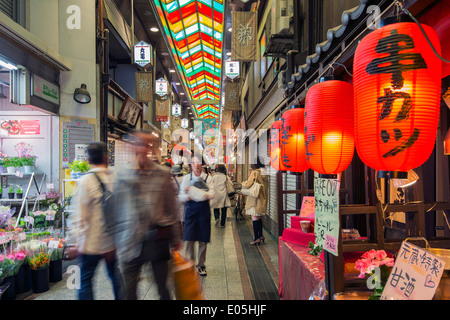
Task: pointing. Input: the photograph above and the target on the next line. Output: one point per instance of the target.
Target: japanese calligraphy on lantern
(415, 275)
(326, 227)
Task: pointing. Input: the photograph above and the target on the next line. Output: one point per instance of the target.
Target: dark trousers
(88, 265)
(131, 272)
(223, 217)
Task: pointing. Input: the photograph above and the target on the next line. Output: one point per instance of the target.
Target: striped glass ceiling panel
(194, 30)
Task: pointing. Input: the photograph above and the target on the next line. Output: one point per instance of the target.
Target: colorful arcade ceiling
(194, 30)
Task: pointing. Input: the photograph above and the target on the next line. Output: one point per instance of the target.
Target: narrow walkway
(236, 270)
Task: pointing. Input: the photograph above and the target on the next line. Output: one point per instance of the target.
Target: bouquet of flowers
(377, 265)
(5, 214)
(38, 259)
(7, 265)
(55, 248)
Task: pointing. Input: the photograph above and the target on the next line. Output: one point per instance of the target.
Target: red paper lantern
(275, 146)
(292, 140)
(397, 84)
(329, 134)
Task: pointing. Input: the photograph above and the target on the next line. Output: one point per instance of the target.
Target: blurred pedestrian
(95, 243)
(146, 217)
(257, 207)
(196, 189)
(221, 202)
(177, 177)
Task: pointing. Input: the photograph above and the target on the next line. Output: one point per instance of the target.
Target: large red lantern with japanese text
(329, 133)
(275, 146)
(292, 140)
(397, 84)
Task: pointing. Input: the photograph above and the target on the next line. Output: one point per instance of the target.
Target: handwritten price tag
(19, 174)
(22, 236)
(3, 238)
(53, 244)
(29, 219)
(50, 217)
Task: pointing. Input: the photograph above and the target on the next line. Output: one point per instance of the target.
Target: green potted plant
(12, 164)
(11, 191)
(78, 168)
(19, 192)
(28, 162)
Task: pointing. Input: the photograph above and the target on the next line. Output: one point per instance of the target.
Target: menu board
(326, 227)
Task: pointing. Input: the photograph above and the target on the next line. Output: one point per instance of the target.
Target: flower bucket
(11, 169)
(23, 279)
(55, 270)
(2, 169)
(19, 195)
(10, 293)
(27, 169)
(40, 280)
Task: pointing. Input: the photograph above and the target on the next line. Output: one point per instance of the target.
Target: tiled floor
(236, 270)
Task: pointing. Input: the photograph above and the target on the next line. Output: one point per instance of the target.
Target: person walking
(257, 207)
(146, 219)
(221, 202)
(94, 242)
(196, 190)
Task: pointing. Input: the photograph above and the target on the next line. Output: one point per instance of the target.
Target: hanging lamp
(397, 84)
(329, 134)
(292, 140)
(275, 146)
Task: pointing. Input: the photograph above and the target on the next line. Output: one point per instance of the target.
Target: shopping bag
(187, 282)
(230, 188)
(253, 191)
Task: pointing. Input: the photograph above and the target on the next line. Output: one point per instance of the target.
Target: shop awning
(194, 30)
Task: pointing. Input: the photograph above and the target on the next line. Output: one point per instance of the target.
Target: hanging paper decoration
(275, 147)
(292, 140)
(244, 32)
(329, 136)
(397, 81)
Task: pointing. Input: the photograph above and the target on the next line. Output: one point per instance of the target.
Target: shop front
(356, 235)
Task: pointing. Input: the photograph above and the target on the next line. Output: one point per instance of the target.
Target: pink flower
(2, 258)
(20, 256)
(10, 257)
(380, 254)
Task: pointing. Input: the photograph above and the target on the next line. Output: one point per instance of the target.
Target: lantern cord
(424, 33)
(345, 68)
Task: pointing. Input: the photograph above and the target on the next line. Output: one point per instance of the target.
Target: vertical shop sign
(142, 54)
(243, 38)
(144, 87)
(326, 227)
(161, 87)
(162, 110)
(415, 276)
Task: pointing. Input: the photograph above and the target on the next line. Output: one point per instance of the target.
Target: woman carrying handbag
(256, 189)
(221, 201)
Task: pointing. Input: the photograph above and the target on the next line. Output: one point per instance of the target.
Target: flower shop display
(78, 168)
(28, 162)
(376, 264)
(56, 249)
(11, 192)
(12, 164)
(39, 262)
(19, 192)
(7, 267)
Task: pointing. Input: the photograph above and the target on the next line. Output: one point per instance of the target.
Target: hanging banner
(184, 123)
(232, 69)
(175, 123)
(326, 227)
(142, 54)
(227, 119)
(144, 86)
(232, 96)
(243, 38)
(162, 110)
(415, 276)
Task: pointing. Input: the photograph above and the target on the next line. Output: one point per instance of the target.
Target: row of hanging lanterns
(390, 113)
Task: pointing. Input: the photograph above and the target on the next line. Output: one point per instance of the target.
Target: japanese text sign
(326, 227)
(308, 207)
(415, 275)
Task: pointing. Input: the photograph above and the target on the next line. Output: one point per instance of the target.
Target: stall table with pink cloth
(300, 273)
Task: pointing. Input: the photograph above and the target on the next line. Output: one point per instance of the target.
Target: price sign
(326, 227)
(29, 219)
(308, 207)
(22, 236)
(49, 217)
(52, 244)
(3, 238)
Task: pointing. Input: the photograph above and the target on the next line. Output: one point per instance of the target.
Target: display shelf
(31, 176)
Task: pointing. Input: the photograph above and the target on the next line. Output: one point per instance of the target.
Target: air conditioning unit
(282, 12)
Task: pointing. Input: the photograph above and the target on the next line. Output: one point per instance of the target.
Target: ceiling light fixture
(171, 70)
(7, 65)
(154, 29)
